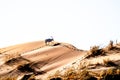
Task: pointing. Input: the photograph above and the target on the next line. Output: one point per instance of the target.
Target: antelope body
(47, 41)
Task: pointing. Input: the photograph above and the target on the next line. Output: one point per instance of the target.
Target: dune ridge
(38, 61)
(40, 57)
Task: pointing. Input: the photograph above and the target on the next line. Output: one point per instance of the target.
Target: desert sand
(40, 61)
(43, 58)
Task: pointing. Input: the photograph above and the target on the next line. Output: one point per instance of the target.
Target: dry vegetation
(94, 66)
(84, 71)
(95, 51)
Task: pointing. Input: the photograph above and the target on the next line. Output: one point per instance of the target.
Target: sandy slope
(103, 64)
(45, 58)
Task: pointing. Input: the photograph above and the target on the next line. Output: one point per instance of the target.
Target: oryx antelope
(49, 40)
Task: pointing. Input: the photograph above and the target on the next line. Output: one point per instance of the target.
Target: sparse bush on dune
(109, 63)
(85, 75)
(110, 74)
(95, 51)
(16, 61)
(10, 56)
(71, 74)
(110, 46)
(28, 77)
(12, 61)
(25, 68)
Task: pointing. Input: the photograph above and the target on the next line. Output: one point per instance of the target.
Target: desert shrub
(109, 63)
(12, 61)
(85, 75)
(28, 77)
(95, 51)
(77, 75)
(71, 74)
(10, 56)
(110, 46)
(25, 68)
(110, 74)
(16, 61)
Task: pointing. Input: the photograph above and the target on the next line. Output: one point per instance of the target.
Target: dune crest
(41, 59)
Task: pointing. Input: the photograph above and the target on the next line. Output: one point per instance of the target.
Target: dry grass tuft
(28, 77)
(110, 46)
(95, 51)
(109, 63)
(10, 56)
(25, 68)
(12, 61)
(71, 74)
(110, 74)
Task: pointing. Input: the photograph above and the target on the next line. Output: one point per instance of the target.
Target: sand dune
(41, 57)
(40, 60)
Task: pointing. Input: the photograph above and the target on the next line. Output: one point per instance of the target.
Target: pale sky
(82, 23)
